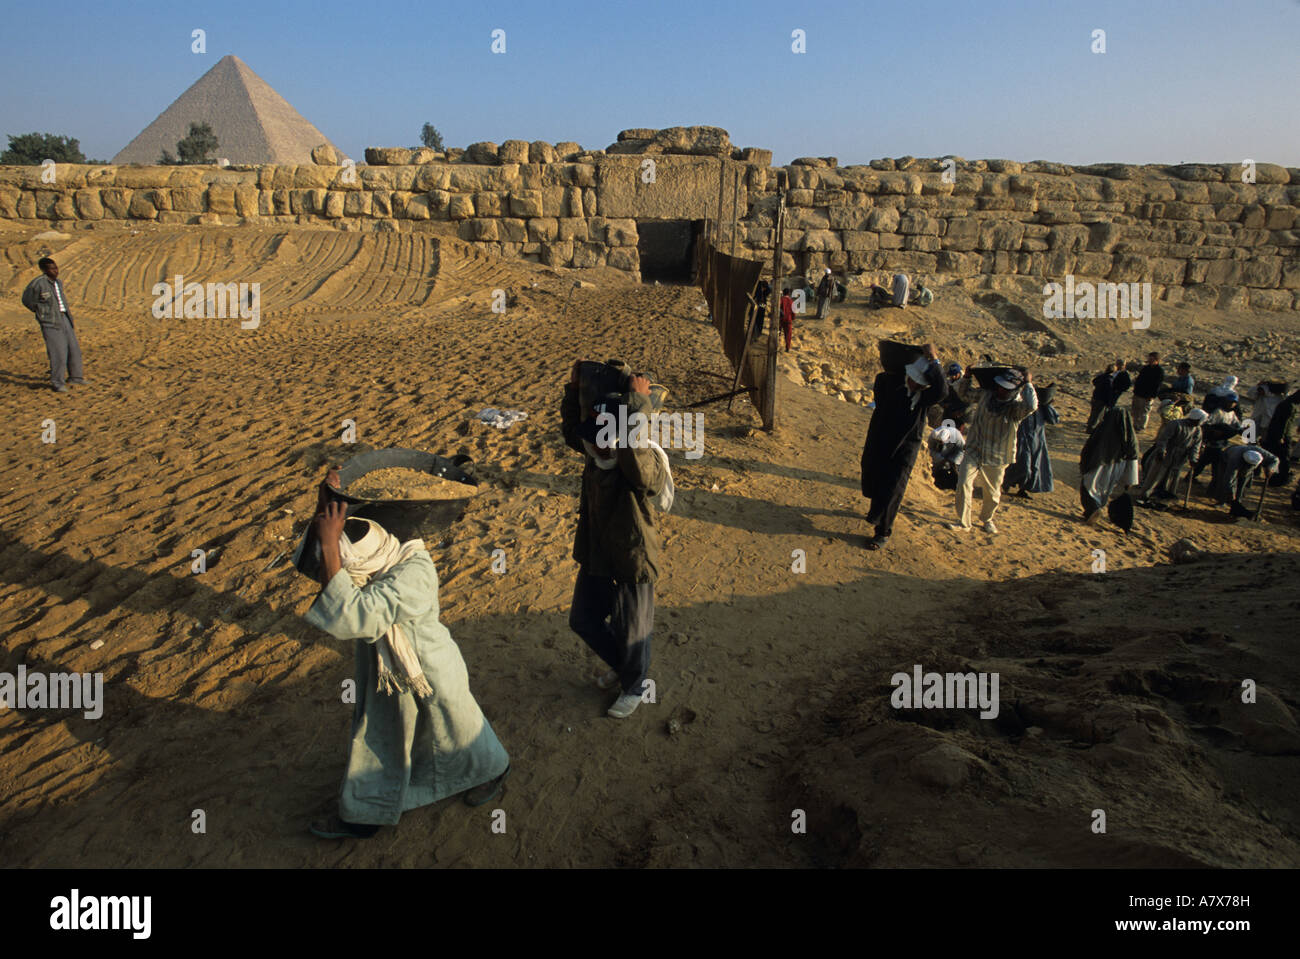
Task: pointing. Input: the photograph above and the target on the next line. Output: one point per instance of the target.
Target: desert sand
(1119, 690)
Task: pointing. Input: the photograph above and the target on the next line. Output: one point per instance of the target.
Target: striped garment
(991, 436)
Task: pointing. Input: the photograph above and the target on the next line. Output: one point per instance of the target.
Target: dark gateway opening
(667, 249)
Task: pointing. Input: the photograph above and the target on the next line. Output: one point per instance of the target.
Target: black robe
(894, 438)
(1108, 460)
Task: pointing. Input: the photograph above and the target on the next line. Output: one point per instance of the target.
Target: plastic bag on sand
(501, 419)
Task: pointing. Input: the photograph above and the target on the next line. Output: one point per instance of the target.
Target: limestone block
(526, 203)
(357, 203)
(116, 201)
(883, 220)
(1264, 271)
(513, 151)
(625, 258)
(914, 223)
(588, 255)
(1001, 235)
(87, 203)
(543, 229)
(489, 204)
(479, 230)
(620, 232)
(387, 156)
(859, 240)
(684, 188)
(461, 207)
(557, 254)
(484, 152)
(961, 234)
(221, 199)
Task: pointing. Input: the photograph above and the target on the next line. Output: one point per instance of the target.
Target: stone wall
(1195, 231)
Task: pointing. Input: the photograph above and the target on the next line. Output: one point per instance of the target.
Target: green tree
(34, 148)
(198, 146)
(431, 138)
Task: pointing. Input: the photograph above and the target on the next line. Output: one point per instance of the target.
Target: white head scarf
(1253, 457)
(372, 555)
(604, 459)
(1229, 385)
(1196, 414)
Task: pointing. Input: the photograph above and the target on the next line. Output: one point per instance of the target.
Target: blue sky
(1179, 81)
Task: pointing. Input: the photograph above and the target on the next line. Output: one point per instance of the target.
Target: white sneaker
(989, 527)
(958, 528)
(624, 706)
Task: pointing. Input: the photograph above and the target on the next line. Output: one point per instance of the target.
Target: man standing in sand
(991, 441)
(45, 297)
(825, 290)
(786, 319)
(1146, 387)
(418, 735)
(616, 543)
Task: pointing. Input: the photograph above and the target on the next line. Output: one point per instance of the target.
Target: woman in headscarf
(418, 736)
(1032, 470)
(894, 437)
(1222, 397)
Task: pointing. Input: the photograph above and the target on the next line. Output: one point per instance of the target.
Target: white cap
(1196, 414)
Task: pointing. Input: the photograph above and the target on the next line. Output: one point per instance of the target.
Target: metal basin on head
(403, 518)
(406, 518)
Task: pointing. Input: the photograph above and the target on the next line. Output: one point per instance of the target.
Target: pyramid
(252, 122)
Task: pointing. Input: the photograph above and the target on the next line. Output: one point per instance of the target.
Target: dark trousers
(890, 487)
(63, 350)
(1210, 456)
(615, 620)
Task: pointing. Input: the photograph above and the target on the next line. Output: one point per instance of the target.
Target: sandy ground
(1119, 690)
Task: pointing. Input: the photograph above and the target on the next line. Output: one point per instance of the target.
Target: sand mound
(400, 483)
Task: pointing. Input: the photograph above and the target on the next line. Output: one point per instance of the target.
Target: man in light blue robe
(418, 736)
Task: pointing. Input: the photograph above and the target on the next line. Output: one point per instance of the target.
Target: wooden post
(750, 314)
(768, 412)
(1259, 507)
(735, 218)
(717, 224)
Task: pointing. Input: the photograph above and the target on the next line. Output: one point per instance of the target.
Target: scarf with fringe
(372, 555)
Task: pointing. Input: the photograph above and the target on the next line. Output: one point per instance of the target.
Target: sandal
(334, 827)
(485, 792)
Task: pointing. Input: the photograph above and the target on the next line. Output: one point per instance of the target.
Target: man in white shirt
(46, 298)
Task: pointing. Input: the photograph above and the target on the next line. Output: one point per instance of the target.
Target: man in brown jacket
(617, 540)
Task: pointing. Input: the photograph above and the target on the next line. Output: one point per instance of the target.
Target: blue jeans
(615, 620)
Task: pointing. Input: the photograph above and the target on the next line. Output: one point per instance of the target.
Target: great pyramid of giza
(252, 122)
